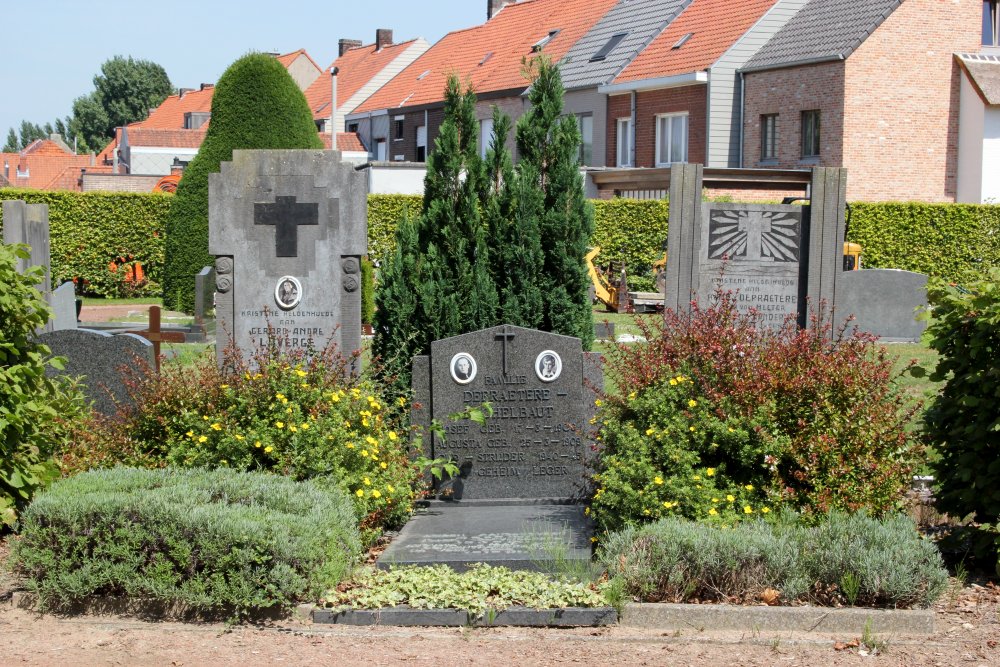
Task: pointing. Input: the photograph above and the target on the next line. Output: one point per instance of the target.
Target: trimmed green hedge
(958, 242)
(90, 231)
(215, 540)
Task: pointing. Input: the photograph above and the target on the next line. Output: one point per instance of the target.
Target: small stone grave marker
(288, 229)
(99, 357)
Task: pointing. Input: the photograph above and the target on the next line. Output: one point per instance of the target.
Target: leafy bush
(91, 232)
(215, 540)
(811, 418)
(256, 104)
(306, 418)
(845, 559)
(631, 232)
(478, 590)
(963, 421)
(385, 212)
(34, 410)
(367, 291)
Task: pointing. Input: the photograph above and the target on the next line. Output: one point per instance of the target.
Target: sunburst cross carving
(756, 236)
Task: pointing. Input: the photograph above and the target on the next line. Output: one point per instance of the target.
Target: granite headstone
(288, 229)
(884, 303)
(64, 307)
(100, 358)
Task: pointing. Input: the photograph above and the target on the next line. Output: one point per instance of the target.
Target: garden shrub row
(846, 559)
(214, 540)
(91, 231)
(98, 238)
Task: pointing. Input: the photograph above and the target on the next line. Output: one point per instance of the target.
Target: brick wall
(889, 113)
(692, 99)
(901, 109)
(788, 92)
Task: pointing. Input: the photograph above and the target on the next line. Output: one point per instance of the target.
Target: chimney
(348, 44)
(184, 91)
(494, 6)
(206, 85)
(383, 38)
(176, 169)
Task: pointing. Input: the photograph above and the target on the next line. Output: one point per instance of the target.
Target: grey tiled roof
(984, 70)
(641, 19)
(822, 30)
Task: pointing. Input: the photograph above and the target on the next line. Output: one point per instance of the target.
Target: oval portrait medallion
(288, 292)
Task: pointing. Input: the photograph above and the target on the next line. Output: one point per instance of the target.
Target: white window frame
(485, 136)
(586, 154)
(623, 140)
(669, 120)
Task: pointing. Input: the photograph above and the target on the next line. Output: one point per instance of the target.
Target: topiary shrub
(34, 410)
(811, 418)
(845, 559)
(256, 104)
(215, 540)
(367, 291)
(963, 421)
(304, 417)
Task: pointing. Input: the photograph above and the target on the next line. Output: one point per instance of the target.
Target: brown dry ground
(968, 633)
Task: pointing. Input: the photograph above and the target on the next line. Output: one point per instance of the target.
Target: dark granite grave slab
(515, 535)
(884, 303)
(570, 617)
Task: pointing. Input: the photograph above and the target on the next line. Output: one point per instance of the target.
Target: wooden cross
(155, 335)
(505, 336)
(286, 215)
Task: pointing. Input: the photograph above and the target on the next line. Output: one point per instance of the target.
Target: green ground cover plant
(35, 411)
(719, 417)
(481, 589)
(303, 417)
(219, 541)
(843, 559)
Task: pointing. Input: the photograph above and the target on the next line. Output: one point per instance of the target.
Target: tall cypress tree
(549, 147)
(443, 260)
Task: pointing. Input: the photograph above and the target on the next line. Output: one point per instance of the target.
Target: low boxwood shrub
(844, 559)
(723, 416)
(216, 540)
(304, 417)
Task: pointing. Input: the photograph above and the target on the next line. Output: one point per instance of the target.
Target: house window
(380, 150)
(422, 143)
(769, 137)
(485, 136)
(608, 47)
(671, 138)
(624, 151)
(810, 133)
(585, 122)
(352, 127)
(991, 23)
(397, 128)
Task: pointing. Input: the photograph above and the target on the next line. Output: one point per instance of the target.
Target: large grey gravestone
(781, 259)
(288, 229)
(29, 224)
(884, 302)
(523, 471)
(99, 357)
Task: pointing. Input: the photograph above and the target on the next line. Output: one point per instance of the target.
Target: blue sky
(53, 48)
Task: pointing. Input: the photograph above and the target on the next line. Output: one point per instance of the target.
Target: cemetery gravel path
(968, 633)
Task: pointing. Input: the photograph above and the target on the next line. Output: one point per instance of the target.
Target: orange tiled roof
(44, 164)
(357, 67)
(489, 55)
(288, 58)
(346, 141)
(144, 136)
(170, 114)
(715, 26)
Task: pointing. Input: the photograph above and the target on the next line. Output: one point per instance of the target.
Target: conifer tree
(548, 145)
(443, 260)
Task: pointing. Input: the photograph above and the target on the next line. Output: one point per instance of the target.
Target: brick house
(400, 121)
(871, 85)
(46, 164)
(979, 115)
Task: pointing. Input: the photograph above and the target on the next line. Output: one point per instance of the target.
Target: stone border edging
(851, 620)
(570, 617)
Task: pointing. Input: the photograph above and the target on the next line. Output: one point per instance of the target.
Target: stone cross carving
(504, 336)
(286, 215)
(155, 335)
(755, 224)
